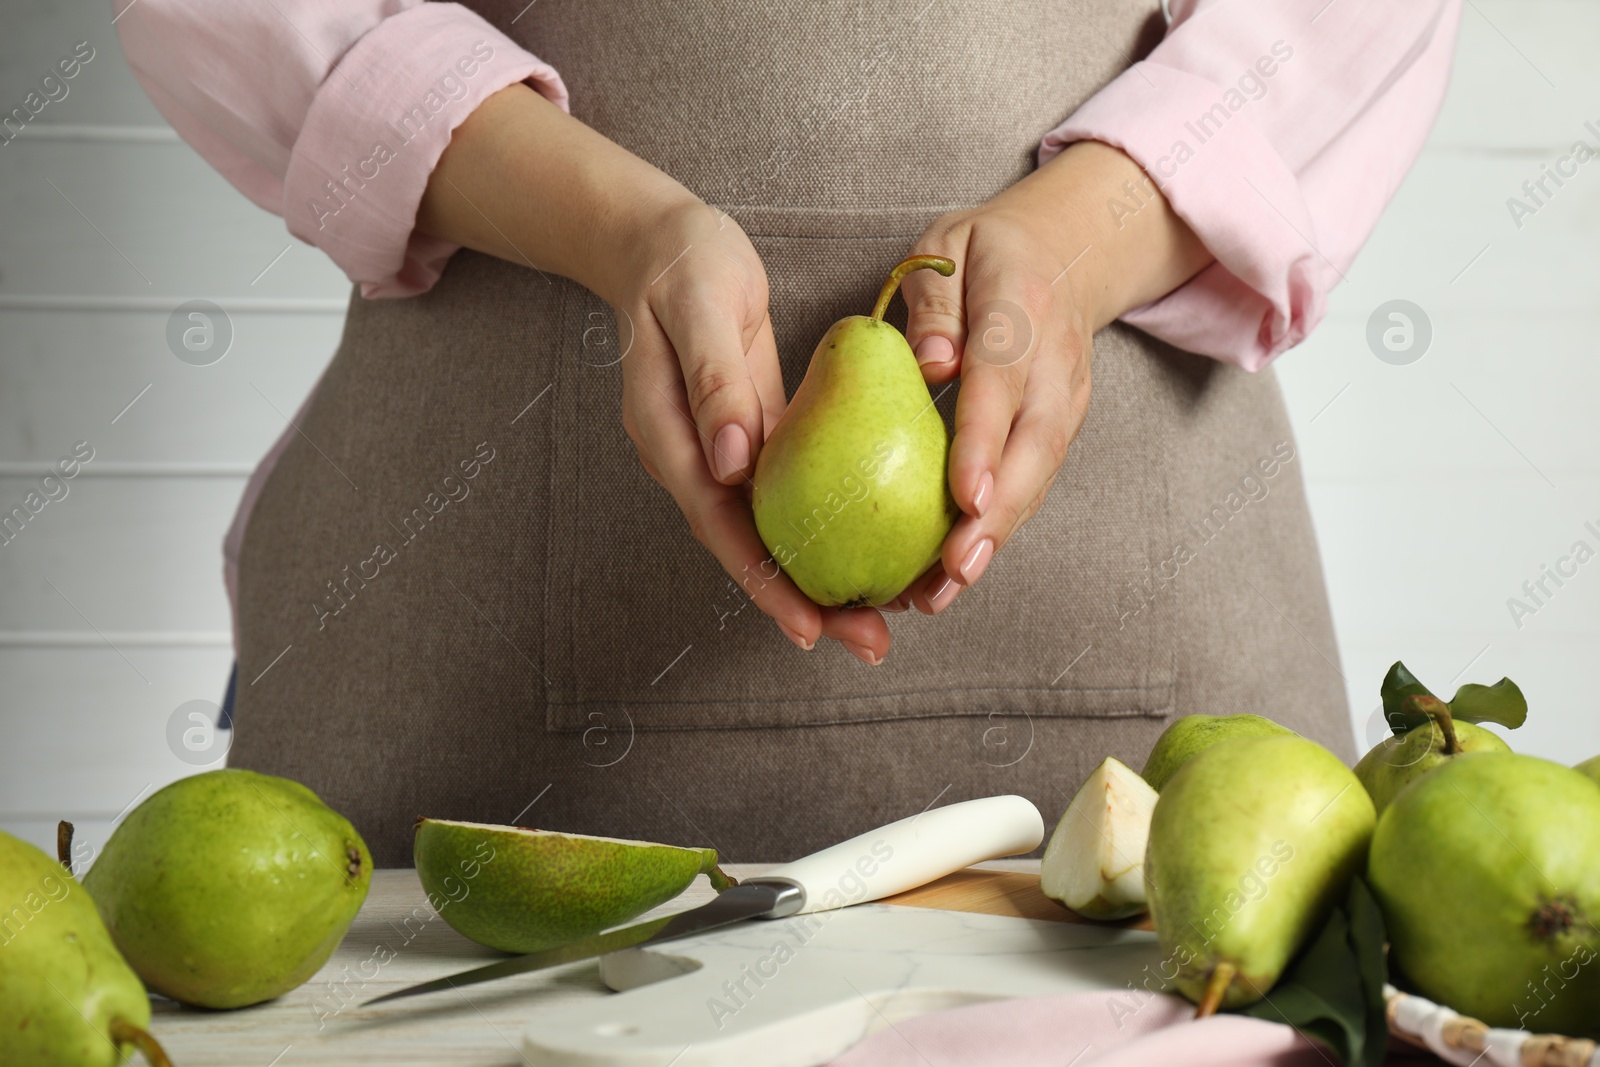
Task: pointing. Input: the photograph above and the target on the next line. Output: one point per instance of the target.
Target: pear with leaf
(1428, 732)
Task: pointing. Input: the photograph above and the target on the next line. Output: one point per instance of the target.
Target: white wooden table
(396, 941)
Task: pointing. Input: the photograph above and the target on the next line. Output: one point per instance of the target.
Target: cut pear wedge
(522, 890)
(1094, 863)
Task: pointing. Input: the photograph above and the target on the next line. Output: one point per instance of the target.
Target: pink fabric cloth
(1299, 120)
(1084, 1030)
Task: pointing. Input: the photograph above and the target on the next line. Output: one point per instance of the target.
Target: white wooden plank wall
(132, 556)
(1439, 487)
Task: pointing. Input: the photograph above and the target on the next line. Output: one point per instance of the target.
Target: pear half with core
(1193, 734)
(67, 999)
(521, 890)
(230, 887)
(1251, 845)
(852, 492)
(1094, 863)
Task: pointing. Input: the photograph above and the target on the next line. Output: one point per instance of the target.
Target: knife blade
(752, 899)
(871, 866)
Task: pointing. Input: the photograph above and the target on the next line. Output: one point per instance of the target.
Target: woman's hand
(1039, 269)
(702, 389)
(526, 182)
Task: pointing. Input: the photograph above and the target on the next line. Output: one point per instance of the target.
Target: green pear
(851, 489)
(1396, 762)
(1488, 874)
(230, 887)
(67, 999)
(1591, 767)
(1193, 734)
(1094, 863)
(522, 890)
(1251, 845)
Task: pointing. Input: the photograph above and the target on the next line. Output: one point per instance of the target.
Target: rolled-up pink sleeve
(1278, 131)
(332, 115)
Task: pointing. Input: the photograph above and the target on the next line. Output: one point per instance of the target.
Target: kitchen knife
(877, 864)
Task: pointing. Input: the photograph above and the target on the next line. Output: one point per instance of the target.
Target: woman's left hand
(1039, 269)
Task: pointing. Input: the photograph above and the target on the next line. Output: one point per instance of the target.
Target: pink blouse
(1280, 157)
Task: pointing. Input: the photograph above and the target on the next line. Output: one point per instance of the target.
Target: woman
(459, 592)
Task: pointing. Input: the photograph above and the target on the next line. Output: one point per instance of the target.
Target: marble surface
(795, 992)
(396, 941)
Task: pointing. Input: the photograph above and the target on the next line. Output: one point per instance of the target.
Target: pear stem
(1216, 988)
(944, 266)
(720, 879)
(1439, 712)
(64, 843)
(125, 1033)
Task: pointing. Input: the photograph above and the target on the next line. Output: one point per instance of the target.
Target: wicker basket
(1463, 1041)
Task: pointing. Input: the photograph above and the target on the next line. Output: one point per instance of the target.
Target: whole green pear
(852, 492)
(522, 890)
(1196, 733)
(1396, 762)
(1591, 767)
(230, 887)
(1488, 874)
(1251, 845)
(67, 999)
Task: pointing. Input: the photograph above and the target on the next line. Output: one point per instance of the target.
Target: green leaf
(1501, 703)
(1333, 991)
(1398, 685)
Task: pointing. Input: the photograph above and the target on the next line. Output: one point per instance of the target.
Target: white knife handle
(914, 852)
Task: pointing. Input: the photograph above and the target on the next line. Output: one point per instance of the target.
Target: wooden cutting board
(995, 892)
(799, 991)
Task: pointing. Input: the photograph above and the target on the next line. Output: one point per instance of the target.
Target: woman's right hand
(701, 389)
(701, 383)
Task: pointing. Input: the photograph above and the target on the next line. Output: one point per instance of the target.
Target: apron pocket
(640, 620)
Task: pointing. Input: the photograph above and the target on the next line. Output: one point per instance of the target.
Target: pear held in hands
(852, 492)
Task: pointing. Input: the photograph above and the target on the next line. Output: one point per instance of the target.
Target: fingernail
(796, 638)
(980, 496)
(978, 558)
(732, 451)
(946, 593)
(897, 604)
(862, 653)
(935, 350)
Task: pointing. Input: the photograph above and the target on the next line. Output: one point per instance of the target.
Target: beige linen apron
(492, 613)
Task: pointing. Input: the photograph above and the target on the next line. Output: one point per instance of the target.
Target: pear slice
(522, 890)
(1094, 863)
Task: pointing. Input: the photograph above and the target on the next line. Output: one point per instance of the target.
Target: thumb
(935, 324)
